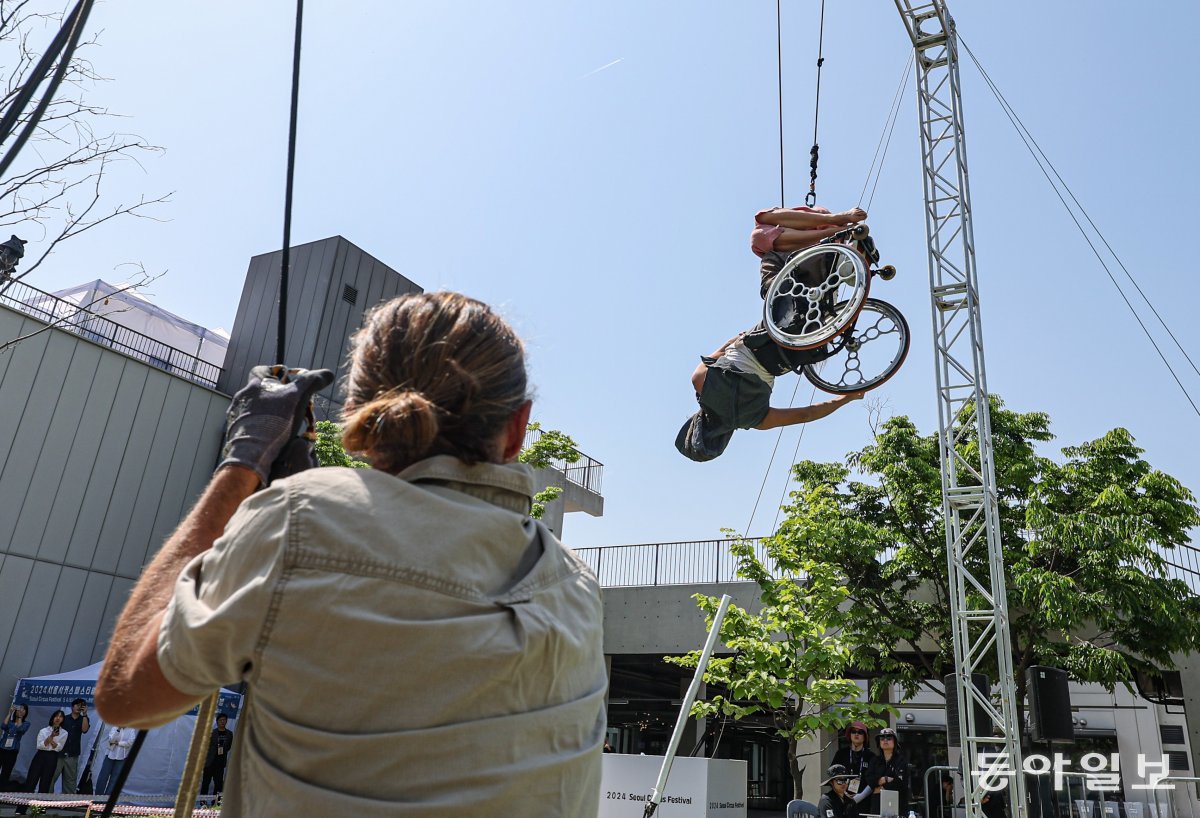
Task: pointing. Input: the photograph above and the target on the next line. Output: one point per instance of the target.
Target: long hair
(434, 373)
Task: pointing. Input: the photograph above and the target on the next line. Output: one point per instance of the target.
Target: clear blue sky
(593, 168)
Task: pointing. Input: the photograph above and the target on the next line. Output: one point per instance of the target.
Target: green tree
(791, 660)
(548, 448)
(1086, 538)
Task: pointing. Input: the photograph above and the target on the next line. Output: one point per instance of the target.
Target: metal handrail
(688, 562)
(70, 317)
(691, 562)
(585, 472)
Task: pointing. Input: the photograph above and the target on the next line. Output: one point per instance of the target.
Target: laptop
(889, 804)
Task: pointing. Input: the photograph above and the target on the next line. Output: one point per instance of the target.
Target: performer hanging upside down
(733, 385)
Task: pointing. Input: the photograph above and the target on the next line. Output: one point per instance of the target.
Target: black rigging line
(68, 35)
(779, 70)
(815, 151)
(1043, 162)
(287, 197)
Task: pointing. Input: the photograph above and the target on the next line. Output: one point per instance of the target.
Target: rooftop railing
(697, 562)
(585, 472)
(691, 562)
(71, 317)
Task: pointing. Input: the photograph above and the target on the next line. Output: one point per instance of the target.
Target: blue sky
(592, 169)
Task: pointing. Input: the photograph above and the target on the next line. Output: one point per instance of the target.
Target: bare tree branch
(58, 182)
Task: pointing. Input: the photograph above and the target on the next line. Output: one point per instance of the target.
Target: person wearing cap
(856, 758)
(889, 771)
(836, 803)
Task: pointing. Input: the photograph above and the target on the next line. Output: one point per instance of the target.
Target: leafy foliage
(1086, 540)
(549, 447)
(790, 659)
(1085, 544)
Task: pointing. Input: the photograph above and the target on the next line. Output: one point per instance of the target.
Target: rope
(779, 69)
(815, 151)
(1043, 162)
(770, 463)
(193, 767)
(287, 197)
(889, 126)
(69, 34)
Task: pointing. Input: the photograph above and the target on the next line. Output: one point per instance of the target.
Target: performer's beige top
(414, 646)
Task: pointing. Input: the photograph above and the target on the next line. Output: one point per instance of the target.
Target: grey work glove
(266, 417)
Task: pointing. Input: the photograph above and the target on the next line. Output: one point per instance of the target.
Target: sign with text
(696, 788)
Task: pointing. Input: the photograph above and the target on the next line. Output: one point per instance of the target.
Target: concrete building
(107, 436)
(649, 613)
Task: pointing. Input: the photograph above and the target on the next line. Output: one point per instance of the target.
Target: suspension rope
(1043, 162)
(287, 196)
(770, 463)
(889, 126)
(65, 41)
(779, 71)
(815, 151)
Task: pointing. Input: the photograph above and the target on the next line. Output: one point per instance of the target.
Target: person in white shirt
(116, 750)
(50, 743)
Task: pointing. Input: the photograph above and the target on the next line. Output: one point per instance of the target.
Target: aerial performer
(733, 385)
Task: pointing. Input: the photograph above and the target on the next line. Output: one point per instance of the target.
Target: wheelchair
(820, 302)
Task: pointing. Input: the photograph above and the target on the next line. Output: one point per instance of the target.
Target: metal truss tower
(978, 602)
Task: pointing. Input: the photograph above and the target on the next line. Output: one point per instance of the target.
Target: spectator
(16, 724)
(219, 745)
(855, 758)
(116, 750)
(50, 743)
(419, 595)
(76, 724)
(889, 771)
(836, 803)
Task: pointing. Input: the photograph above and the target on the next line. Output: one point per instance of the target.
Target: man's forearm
(132, 649)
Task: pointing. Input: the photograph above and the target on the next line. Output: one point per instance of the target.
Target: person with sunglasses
(836, 803)
(889, 771)
(855, 758)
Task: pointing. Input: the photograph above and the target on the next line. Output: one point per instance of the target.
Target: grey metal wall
(320, 317)
(100, 456)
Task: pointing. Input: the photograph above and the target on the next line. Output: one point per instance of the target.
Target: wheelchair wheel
(815, 296)
(874, 350)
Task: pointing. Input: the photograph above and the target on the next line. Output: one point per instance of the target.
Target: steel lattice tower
(978, 601)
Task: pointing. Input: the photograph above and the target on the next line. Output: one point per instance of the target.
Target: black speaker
(983, 722)
(1049, 705)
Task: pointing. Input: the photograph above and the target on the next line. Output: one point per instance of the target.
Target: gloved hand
(267, 414)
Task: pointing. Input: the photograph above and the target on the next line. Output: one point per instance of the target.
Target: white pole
(685, 710)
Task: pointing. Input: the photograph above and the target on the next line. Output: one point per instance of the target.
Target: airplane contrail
(601, 68)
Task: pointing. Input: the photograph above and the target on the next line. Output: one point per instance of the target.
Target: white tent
(158, 767)
(142, 330)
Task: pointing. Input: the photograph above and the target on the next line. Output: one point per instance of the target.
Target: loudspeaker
(1049, 705)
(983, 722)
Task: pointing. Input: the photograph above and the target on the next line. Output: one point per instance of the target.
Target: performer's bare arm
(805, 414)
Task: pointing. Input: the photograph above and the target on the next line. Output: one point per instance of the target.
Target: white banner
(696, 788)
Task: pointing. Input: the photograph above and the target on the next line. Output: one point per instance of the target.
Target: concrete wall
(664, 619)
(100, 456)
(331, 283)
